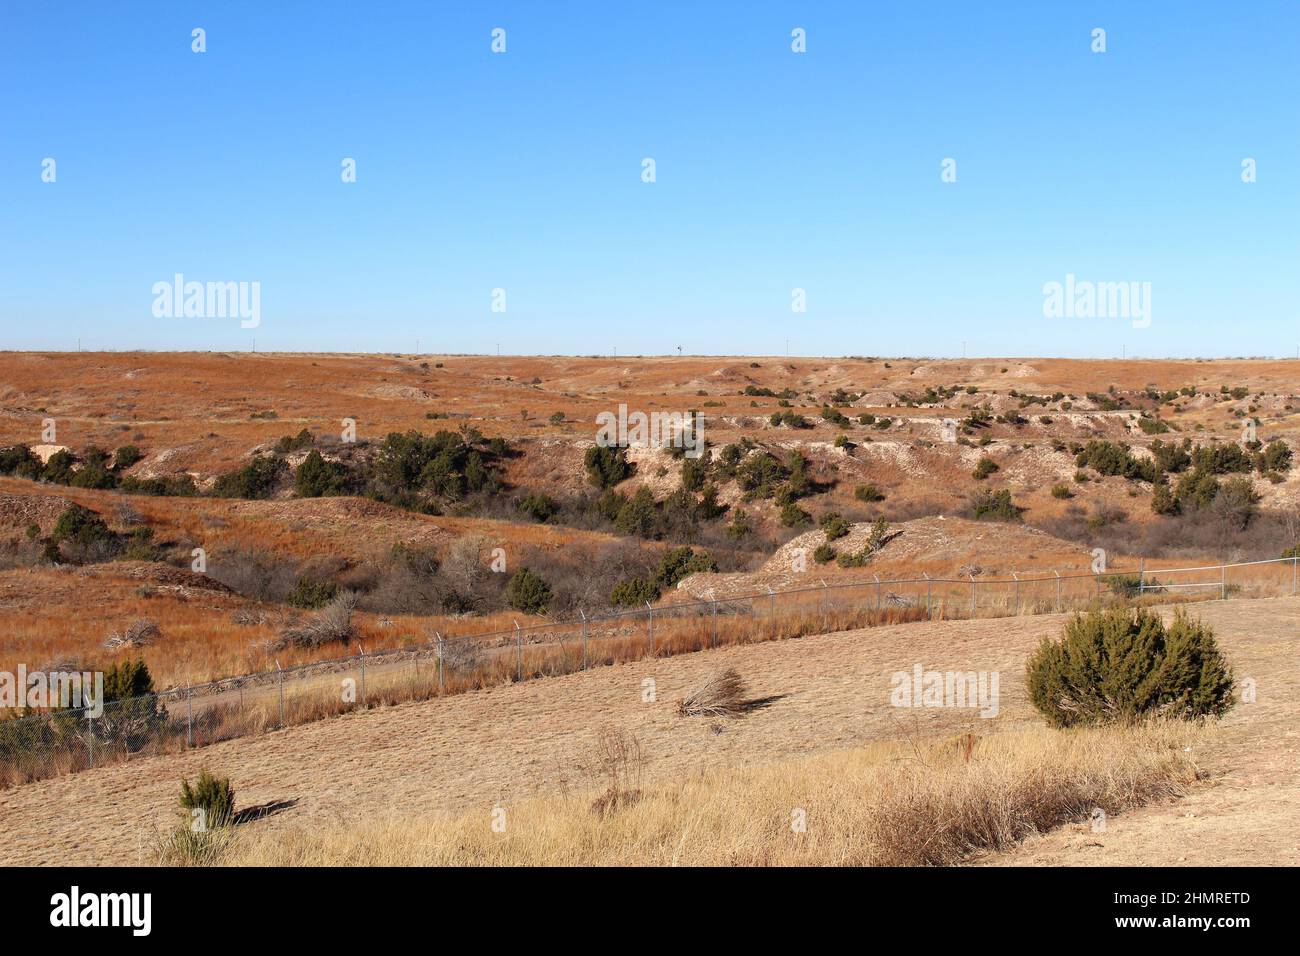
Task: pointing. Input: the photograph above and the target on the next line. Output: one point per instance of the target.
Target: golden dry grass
(890, 804)
(499, 747)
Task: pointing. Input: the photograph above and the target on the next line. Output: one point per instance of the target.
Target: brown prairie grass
(619, 766)
(900, 803)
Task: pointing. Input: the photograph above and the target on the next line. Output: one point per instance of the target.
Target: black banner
(145, 906)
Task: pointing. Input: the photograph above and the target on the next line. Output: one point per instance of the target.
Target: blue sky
(775, 171)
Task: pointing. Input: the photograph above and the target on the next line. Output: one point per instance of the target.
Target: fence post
(973, 601)
(1058, 591)
(1142, 577)
(279, 680)
(90, 738)
(715, 622)
(1223, 582)
(189, 716)
(929, 591)
(877, 577)
(1017, 577)
(361, 653)
(519, 653)
(652, 627)
(1295, 569)
(442, 681)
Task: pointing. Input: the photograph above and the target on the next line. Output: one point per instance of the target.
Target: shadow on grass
(249, 814)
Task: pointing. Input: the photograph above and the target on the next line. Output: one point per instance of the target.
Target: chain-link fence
(68, 740)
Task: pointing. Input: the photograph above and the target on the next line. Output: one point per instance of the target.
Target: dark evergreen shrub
(527, 592)
(1122, 665)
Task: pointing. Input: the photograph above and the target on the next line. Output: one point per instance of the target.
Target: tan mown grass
(891, 804)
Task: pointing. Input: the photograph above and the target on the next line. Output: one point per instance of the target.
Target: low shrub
(1122, 665)
(680, 563)
(318, 477)
(834, 526)
(540, 507)
(84, 535)
(868, 493)
(330, 625)
(313, 594)
(633, 592)
(990, 505)
(209, 801)
(527, 592)
(258, 479)
(792, 516)
(606, 466)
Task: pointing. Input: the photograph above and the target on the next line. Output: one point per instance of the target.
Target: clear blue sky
(774, 171)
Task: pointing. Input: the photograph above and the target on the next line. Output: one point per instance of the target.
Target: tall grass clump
(207, 811)
(721, 695)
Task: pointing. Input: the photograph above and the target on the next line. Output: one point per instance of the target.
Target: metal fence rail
(61, 741)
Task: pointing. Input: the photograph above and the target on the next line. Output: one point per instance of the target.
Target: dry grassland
(466, 755)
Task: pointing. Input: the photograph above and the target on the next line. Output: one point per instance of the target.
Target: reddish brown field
(193, 412)
(207, 413)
